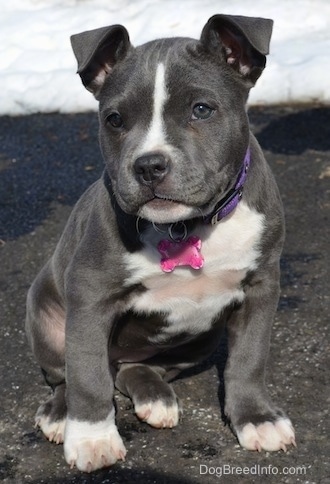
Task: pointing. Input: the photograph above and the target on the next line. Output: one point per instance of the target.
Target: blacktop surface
(46, 162)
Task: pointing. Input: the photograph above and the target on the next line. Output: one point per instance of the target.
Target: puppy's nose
(151, 168)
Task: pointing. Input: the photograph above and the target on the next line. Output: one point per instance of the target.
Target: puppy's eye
(202, 111)
(115, 120)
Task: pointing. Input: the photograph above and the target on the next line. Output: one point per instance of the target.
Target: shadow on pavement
(294, 133)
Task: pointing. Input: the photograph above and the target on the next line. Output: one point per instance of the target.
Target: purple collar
(231, 200)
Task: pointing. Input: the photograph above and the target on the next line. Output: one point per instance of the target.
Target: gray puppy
(179, 238)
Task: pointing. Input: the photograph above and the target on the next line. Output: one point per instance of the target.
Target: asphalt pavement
(46, 162)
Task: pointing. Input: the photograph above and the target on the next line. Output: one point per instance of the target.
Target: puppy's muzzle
(151, 169)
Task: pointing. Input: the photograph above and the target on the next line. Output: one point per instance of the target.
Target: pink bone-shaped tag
(183, 253)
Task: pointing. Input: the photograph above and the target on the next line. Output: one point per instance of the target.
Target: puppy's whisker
(199, 210)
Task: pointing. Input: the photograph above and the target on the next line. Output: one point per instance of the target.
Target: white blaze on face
(156, 134)
(155, 140)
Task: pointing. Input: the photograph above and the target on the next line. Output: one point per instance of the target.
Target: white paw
(158, 415)
(54, 431)
(268, 435)
(91, 446)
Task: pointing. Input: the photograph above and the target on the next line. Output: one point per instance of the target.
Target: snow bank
(38, 68)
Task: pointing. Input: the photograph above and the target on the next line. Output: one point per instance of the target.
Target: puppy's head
(173, 126)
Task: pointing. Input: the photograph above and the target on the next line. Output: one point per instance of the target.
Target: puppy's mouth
(159, 203)
(166, 210)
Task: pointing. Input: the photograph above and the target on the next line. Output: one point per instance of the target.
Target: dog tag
(183, 253)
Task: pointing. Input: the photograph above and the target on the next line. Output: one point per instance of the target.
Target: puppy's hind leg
(154, 399)
(45, 328)
(51, 416)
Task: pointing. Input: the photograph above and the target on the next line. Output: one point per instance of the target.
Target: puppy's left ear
(97, 51)
(242, 42)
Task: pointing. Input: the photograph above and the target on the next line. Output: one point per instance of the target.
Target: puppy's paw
(91, 446)
(51, 417)
(158, 414)
(53, 430)
(269, 436)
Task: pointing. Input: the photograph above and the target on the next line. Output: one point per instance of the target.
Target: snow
(37, 66)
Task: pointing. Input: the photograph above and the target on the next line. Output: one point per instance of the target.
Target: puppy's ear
(243, 42)
(97, 51)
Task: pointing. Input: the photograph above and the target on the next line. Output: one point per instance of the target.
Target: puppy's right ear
(97, 51)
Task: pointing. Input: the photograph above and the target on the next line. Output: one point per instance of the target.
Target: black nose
(151, 168)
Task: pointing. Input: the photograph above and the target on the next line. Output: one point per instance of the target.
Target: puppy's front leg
(91, 438)
(257, 422)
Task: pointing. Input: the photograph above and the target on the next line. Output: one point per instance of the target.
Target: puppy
(179, 238)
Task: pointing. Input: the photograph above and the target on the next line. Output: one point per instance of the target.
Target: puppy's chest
(191, 299)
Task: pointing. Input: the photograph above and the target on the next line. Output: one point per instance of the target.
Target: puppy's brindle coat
(102, 312)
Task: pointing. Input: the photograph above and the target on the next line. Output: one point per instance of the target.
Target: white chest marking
(191, 299)
(156, 135)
